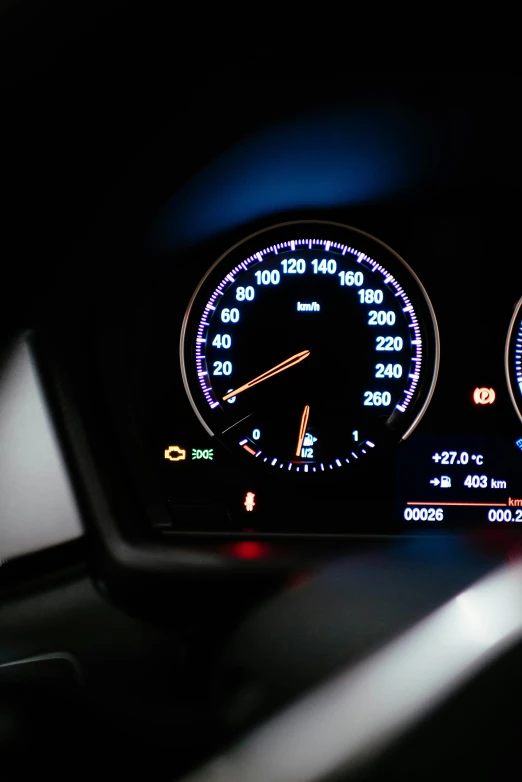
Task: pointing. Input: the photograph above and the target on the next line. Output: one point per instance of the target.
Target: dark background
(88, 89)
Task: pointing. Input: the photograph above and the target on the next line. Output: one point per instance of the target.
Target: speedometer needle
(302, 429)
(290, 362)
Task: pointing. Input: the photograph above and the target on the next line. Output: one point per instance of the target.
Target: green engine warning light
(198, 453)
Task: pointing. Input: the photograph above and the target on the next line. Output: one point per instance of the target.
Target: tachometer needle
(302, 429)
(290, 362)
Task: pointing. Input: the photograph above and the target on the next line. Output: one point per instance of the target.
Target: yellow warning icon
(175, 454)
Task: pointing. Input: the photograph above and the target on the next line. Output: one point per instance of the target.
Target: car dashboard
(346, 267)
(368, 462)
(267, 374)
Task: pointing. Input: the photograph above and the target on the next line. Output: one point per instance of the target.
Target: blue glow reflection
(337, 159)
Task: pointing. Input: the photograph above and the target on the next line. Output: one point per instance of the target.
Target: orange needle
(302, 429)
(290, 362)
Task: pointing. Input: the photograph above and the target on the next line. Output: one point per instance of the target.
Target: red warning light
(484, 396)
(249, 549)
(250, 501)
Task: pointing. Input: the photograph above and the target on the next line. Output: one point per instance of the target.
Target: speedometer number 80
(245, 294)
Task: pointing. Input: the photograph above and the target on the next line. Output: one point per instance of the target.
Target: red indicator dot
(249, 549)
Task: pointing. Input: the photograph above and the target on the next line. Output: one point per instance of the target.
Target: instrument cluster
(307, 354)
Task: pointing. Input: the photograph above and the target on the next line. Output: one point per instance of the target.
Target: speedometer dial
(308, 344)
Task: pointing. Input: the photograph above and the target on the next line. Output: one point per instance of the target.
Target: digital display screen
(452, 481)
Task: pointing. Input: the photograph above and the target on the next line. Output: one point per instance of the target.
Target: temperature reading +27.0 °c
(454, 457)
(459, 480)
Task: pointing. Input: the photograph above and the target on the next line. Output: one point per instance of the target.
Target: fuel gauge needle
(302, 429)
(290, 362)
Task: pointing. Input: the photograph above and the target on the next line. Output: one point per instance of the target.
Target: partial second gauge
(307, 345)
(514, 359)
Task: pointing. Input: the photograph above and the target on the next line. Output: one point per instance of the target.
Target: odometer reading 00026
(307, 344)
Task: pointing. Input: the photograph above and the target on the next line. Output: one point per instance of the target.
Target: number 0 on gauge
(308, 344)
